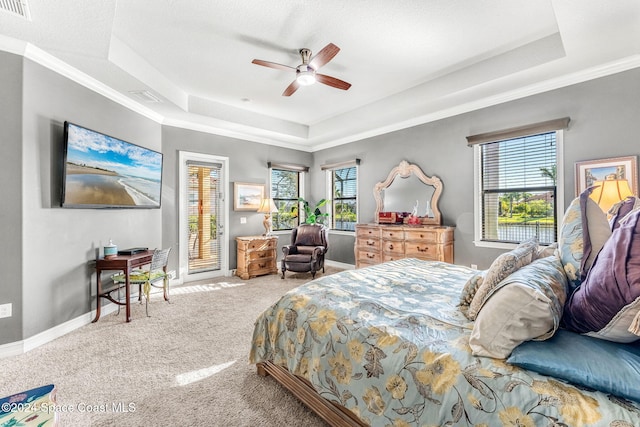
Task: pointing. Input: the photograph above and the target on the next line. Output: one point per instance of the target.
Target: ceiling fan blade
(272, 65)
(325, 55)
(291, 88)
(332, 81)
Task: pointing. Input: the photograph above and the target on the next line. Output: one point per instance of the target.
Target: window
(518, 188)
(286, 187)
(342, 181)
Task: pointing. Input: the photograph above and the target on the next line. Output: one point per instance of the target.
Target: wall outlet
(5, 310)
(243, 220)
(474, 266)
(172, 274)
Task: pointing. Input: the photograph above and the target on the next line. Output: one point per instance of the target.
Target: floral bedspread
(389, 343)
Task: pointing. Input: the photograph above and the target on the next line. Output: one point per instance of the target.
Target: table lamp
(609, 192)
(267, 207)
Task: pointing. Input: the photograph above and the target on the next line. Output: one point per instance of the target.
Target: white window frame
(477, 190)
(329, 192)
(301, 193)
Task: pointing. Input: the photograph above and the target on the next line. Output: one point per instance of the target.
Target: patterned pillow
(607, 304)
(500, 268)
(527, 305)
(469, 290)
(584, 230)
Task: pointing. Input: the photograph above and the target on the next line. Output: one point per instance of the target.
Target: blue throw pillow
(589, 362)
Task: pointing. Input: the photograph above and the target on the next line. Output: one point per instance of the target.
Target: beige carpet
(186, 365)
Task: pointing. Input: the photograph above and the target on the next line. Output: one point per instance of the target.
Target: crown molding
(235, 130)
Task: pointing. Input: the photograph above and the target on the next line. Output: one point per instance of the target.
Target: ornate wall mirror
(400, 195)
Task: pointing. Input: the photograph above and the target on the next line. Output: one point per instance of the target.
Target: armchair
(309, 244)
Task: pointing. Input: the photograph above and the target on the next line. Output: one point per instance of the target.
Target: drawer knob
(370, 242)
(390, 246)
(370, 256)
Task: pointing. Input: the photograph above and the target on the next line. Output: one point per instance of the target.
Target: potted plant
(315, 215)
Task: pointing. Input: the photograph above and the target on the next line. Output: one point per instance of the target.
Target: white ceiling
(409, 61)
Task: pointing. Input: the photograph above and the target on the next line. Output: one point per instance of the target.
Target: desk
(124, 263)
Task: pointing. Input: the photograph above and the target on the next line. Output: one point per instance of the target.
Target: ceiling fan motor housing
(305, 75)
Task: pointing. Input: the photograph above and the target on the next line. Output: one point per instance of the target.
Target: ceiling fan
(306, 72)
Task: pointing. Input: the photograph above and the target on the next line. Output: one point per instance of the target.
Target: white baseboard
(337, 264)
(20, 347)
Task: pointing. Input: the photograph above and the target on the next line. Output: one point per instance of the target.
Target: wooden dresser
(256, 256)
(376, 243)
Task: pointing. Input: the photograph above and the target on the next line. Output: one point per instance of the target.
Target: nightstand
(257, 255)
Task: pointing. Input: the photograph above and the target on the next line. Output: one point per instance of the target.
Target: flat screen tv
(105, 172)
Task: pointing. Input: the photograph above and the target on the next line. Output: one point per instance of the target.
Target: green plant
(315, 215)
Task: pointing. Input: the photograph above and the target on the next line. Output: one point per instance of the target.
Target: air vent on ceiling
(143, 95)
(16, 7)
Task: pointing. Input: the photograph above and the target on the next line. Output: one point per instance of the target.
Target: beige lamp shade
(267, 206)
(609, 192)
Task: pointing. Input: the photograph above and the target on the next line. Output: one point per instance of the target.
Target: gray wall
(247, 163)
(51, 279)
(604, 123)
(59, 243)
(11, 195)
(46, 250)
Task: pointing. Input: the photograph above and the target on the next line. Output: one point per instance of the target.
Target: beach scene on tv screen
(101, 170)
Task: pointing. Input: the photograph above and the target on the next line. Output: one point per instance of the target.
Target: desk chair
(151, 277)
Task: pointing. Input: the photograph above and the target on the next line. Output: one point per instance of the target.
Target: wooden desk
(124, 263)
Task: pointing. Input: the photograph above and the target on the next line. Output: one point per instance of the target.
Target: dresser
(256, 256)
(376, 243)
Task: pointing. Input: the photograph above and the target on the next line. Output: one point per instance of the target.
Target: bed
(389, 344)
(393, 345)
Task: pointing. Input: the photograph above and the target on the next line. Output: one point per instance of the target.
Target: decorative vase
(110, 250)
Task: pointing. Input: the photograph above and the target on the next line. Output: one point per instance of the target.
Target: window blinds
(518, 186)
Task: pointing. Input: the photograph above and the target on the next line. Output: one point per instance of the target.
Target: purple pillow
(607, 304)
(622, 209)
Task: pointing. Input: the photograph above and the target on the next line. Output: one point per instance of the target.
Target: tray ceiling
(189, 64)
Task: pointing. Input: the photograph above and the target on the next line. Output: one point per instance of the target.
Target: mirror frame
(404, 170)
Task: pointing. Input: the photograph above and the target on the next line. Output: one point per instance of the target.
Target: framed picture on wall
(590, 171)
(247, 196)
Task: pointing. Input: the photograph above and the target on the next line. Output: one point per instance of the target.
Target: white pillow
(527, 305)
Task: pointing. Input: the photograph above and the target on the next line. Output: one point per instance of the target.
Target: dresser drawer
(390, 234)
(368, 257)
(260, 255)
(392, 257)
(261, 266)
(422, 235)
(262, 245)
(393, 247)
(367, 232)
(369, 244)
(424, 250)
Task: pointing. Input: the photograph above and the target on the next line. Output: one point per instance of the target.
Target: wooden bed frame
(334, 414)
